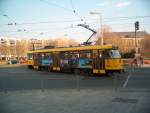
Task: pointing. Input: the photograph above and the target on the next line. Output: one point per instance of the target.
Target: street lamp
(100, 16)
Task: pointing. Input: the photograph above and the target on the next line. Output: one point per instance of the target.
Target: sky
(50, 19)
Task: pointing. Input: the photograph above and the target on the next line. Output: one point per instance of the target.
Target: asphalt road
(22, 78)
(67, 93)
(16, 77)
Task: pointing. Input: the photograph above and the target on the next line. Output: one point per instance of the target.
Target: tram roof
(79, 48)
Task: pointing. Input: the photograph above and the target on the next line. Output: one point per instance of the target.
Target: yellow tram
(90, 59)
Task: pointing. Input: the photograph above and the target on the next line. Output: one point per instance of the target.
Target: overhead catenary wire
(50, 3)
(47, 22)
(14, 22)
(77, 20)
(129, 23)
(75, 12)
(131, 17)
(68, 27)
(6, 16)
(67, 9)
(124, 18)
(56, 5)
(40, 29)
(64, 8)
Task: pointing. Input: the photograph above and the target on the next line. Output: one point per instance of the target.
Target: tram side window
(69, 58)
(45, 56)
(48, 57)
(74, 59)
(64, 56)
(35, 55)
(30, 56)
(85, 59)
(39, 57)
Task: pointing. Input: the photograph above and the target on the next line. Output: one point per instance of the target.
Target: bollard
(42, 85)
(76, 72)
(77, 82)
(3, 84)
(115, 82)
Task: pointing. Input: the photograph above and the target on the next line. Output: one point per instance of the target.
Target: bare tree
(73, 42)
(110, 37)
(21, 48)
(4, 50)
(145, 46)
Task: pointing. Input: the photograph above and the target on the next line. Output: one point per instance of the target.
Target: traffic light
(137, 25)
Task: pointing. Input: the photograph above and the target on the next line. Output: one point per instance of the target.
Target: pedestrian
(135, 62)
(141, 61)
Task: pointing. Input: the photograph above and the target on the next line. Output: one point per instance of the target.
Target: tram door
(56, 61)
(98, 62)
(35, 60)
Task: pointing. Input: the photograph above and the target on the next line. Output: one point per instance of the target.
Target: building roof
(140, 34)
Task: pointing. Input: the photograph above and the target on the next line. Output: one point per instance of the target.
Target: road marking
(57, 78)
(62, 79)
(126, 82)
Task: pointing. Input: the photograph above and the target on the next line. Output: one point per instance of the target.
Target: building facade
(34, 44)
(126, 41)
(7, 47)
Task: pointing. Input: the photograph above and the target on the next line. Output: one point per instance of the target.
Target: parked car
(21, 61)
(12, 61)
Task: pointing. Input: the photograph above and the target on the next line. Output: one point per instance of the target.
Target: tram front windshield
(114, 54)
(30, 56)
